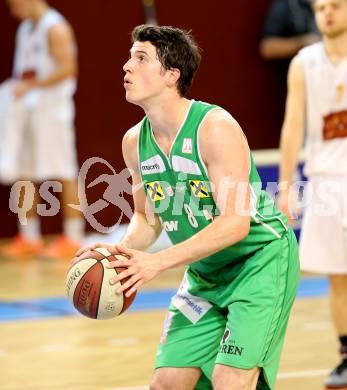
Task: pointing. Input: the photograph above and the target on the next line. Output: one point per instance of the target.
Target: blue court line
(61, 306)
(145, 300)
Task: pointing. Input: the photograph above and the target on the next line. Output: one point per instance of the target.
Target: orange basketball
(88, 285)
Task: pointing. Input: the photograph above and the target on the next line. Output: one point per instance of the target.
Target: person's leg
(338, 302)
(29, 201)
(338, 306)
(69, 242)
(231, 378)
(73, 222)
(70, 196)
(338, 286)
(191, 337)
(171, 378)
(28, 242)
(57, 158)
(260, 301)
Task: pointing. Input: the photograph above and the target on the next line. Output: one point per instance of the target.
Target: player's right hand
(288, 205)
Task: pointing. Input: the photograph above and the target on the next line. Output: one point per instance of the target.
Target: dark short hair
(176, 48)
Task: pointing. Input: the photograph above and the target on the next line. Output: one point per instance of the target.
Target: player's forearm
(140, 234)
(221, 233)
(62, 73)
(277, 48)
(290, 150)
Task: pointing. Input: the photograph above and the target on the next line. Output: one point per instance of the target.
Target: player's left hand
(141, 268)
(21, 88)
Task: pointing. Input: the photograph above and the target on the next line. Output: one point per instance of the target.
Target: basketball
(88, 286)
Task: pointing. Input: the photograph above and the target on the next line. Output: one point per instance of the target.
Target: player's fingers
(122, 275)
(82, 250)
(134, 288)
(101, 245)
(91, 247)
(119, 263)
(121, 257)
(128, 284)
(125, 251)
(74, 261)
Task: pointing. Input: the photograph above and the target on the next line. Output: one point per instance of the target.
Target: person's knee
(158, 384)
(174, 379)
(233, 381)
(163, 384)
(231, 378)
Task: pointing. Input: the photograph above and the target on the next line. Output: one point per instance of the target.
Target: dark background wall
(231, 75)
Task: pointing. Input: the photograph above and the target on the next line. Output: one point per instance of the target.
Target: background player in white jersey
(317, 98)
(38, 142)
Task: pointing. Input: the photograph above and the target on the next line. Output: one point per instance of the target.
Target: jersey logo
(226, 336)
(170, 226)
(169, 191)
(192, 307)
(199, 189)
(153, 165)
(187, 146)
(184, 165)
(155, 191)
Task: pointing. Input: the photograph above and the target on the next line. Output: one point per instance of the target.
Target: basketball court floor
(46, 345)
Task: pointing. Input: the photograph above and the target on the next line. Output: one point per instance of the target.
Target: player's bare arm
(226, 156)
(276, 47)
(62, 47)
(292, 135)
(144, 227)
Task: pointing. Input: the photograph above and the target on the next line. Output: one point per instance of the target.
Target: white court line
(282, 375)
(302, 374)
(317, 326)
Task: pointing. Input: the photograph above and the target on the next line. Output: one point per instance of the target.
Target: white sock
(32, 230)
(74, 228)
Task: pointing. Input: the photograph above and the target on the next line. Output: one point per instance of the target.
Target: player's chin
(129, 98)
(132, 99)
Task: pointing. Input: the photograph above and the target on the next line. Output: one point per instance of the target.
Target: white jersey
(32, 54)
(37, 130)
(326, 93)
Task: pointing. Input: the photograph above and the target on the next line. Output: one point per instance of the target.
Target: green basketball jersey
(179, 189)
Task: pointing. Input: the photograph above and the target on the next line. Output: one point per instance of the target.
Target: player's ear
(172, 76)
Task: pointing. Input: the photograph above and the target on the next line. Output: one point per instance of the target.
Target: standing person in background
(317, 98)
(39, 142)
(196, 179)
(289, 26)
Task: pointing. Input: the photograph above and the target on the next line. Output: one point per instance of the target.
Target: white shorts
(38, 141)
(323, 239)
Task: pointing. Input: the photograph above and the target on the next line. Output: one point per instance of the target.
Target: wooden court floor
(75, 353)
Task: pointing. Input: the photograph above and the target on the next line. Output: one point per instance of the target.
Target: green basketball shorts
(240, 321)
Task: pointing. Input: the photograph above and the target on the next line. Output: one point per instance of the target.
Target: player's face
(20, 9)
(144, 74)
(331, 17)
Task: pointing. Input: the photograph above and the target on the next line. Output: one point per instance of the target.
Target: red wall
(231, 74)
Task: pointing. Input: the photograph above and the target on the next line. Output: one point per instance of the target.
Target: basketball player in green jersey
(226, 324)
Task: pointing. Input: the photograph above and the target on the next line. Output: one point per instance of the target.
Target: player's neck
(38, 11)
(167, 117)
(336, 48)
